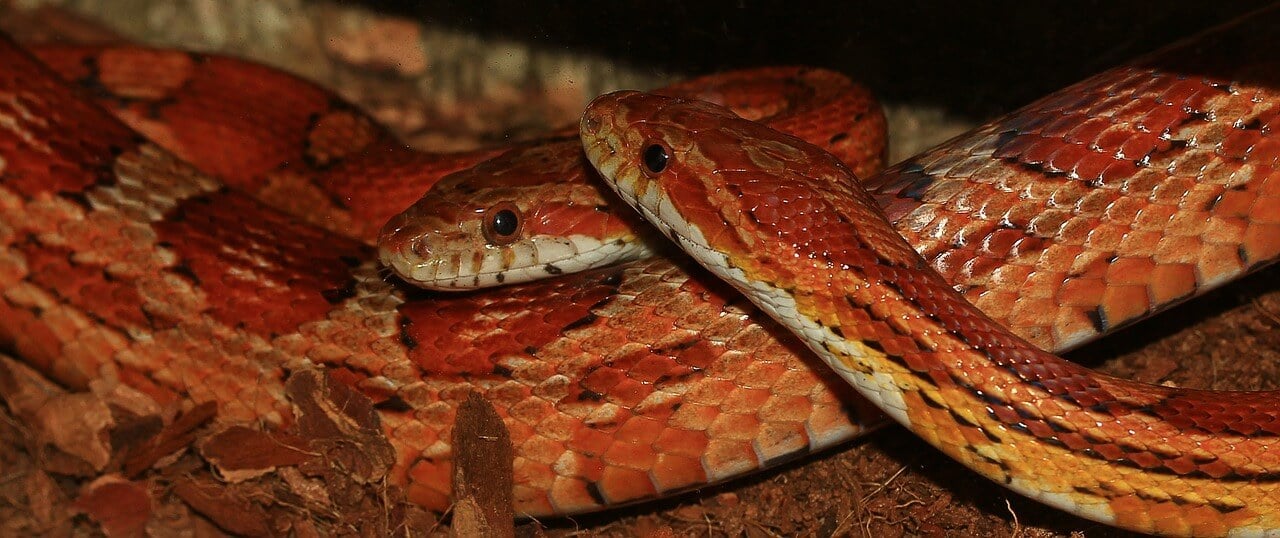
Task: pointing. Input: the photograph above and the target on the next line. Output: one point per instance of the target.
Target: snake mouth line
(446, 273)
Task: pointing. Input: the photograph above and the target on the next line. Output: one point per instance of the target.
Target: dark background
(973, 59)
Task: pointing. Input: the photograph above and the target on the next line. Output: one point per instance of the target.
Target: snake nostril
(420, 248)
(591, 122)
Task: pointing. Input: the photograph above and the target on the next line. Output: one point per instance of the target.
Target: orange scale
(690, 359)
(689, 443)
(1129, 271)
(1141, 242)
(997, 304)
(589, 442)
(530, 501)
(674, 472)
(1066, 121)
(538, 449)
(1124, 209)
(532, 410)
(1180, 249)
(780, 408)
(629, 393)
(1116, 172)
(1029, 310)
(1076, 230)
(629, 456)
(694, 416)
(1234, 203)
(619, 485)
(1045, 279)
(570, 495)
(422, 474)
(798, 381)
(1218, 262)
(745, 400)
(1161, 118)
(578, 467)
(1015, 147)
(650, 368)
(1120, 304)
(760, 375)
(1106, 235)
(742, 427)
(1262, 241)
(414, 435)
(1266, 152)
(1041, 151)
(1172, 190)
(603, 380)
(1238, 143)
(779, 441)
(1080, 292)
(726, 457)
(640, 431)
(711, 391)
(1019, 269)
(1208, 520)
(533, 474)
(1266, 209)
(1049, 221)
(981, 265)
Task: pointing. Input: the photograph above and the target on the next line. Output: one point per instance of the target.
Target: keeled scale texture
(129, 271)
(360, 334)
(776, 217)
(1133, 189)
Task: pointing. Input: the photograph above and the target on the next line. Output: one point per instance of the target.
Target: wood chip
(482, 471)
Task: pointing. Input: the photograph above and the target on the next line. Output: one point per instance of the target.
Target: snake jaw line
(441, 257)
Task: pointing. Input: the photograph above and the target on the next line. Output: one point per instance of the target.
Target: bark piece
(240, 453)
(175, 437)
(120, 506)
(482, 471)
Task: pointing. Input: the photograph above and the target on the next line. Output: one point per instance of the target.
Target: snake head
(528, 214)
(717, 183)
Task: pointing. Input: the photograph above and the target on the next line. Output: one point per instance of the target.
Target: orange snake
(243, 346)
(778, 219)
(185, 290)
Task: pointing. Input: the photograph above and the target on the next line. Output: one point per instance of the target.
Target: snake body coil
(775, 217)
(128, 270)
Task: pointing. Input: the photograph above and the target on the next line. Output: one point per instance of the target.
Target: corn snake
(202, 266)
(776, 218)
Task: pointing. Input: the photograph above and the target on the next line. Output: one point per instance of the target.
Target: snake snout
(402, 243)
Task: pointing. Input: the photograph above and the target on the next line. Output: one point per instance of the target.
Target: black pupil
(505, 222)
(655, 158)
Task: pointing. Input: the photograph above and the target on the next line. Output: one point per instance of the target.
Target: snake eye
(655, 157)
(502, 223)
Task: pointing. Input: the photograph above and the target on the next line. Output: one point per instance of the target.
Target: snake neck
(781, 222)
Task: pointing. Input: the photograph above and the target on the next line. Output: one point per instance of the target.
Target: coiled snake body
(126, 269)
(771, 215)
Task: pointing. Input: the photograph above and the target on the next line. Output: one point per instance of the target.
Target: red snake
(778, 219)
(201, 308)
(558, 217)
(193, 291)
